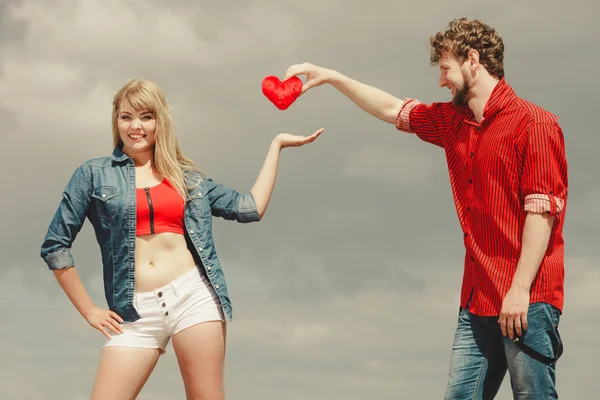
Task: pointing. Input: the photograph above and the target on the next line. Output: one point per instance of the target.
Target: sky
(349, 287)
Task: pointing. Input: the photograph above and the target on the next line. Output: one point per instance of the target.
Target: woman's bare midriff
(160, 259)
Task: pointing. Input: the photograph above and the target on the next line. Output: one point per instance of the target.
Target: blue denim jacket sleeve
(67, 221)
(230, 204)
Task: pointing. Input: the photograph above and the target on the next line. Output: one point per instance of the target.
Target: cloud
(62, 44)
(125, 31)
(138, 33)
(30, 90)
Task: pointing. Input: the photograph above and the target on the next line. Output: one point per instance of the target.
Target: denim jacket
(103, 190)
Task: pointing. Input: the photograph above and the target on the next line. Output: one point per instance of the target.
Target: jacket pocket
(199, 202)
(106, 201)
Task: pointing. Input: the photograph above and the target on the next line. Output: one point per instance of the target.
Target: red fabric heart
(282, 94)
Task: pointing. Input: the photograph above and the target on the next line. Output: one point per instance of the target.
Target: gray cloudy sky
(349, 287)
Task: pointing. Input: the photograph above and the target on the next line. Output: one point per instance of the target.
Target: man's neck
(481, 93)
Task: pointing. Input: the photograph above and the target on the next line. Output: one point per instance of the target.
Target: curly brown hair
(463, 35)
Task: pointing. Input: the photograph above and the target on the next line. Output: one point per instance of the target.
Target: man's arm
(376, 102)
(429, 122)
(536, 235)
(543, 190)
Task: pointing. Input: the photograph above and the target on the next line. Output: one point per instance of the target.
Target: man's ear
(473, 59)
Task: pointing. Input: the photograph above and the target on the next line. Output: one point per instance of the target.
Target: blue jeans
(481, 356)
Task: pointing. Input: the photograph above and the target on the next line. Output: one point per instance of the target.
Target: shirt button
(472, 258)
(159, 294)
(471, 154)
(466, 234)
(470, 181)
(468, 208)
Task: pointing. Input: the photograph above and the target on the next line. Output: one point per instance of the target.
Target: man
(508, 172)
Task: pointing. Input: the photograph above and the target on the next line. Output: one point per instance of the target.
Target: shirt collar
(118, 155)
(502, 95)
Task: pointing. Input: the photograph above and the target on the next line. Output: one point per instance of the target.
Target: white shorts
(186, 301)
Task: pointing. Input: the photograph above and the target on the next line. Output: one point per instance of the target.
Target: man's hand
(376, 102)
(315, 76)
(513, 316)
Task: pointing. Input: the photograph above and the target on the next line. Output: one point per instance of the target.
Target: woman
(151, 209)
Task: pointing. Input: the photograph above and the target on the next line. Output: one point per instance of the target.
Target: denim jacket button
(191, 231)
(103, 195)
(199, 248)
(217, 286)
(209, 267)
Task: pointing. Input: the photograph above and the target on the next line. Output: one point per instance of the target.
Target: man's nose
(443, 81)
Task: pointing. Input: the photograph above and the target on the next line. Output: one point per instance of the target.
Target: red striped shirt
(511, 163)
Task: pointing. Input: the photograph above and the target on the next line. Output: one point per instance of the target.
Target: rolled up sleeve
(429, 122)
(67, 221)
(403, 119)
(60, 259)
(230, 204)
(544, 183)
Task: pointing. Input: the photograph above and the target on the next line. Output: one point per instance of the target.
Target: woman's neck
(142, 158)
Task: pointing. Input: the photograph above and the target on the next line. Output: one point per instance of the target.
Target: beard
(461, 97)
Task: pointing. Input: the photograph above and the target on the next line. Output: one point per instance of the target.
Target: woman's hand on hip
(104, 321)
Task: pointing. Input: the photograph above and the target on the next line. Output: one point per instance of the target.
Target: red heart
(282, 94)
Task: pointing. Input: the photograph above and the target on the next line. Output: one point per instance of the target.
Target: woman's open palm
(289, 140)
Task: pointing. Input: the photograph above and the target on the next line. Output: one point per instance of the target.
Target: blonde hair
(168, 158)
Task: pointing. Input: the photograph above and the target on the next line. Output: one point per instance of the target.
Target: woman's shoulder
(194, 176)
(116, 158)
(97, 162)
(91, 167)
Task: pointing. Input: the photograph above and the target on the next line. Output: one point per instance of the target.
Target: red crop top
(159, 210)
